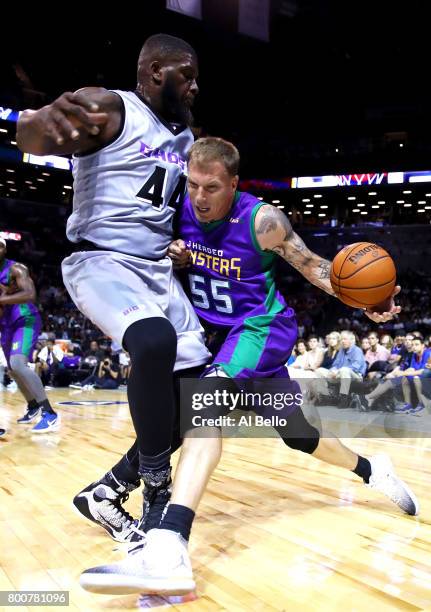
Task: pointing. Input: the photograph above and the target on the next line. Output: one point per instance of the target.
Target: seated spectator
(300, 368)
(333, 342)
(95, 351)
(348, 365)
(405, 376)
(418, 366)
(377, 356)
(397, 346)
(108, 376)
(50, 358)
(387, 342)
(124, 361)
(365, 344)
(404, 357)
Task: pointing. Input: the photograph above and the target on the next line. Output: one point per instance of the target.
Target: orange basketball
(363, 275)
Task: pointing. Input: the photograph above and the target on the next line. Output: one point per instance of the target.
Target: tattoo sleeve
(275, 233)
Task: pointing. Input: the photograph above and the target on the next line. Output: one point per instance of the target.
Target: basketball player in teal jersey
(20, 326)
(233, 240)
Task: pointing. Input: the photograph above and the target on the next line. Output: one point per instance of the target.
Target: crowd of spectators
(393, 368)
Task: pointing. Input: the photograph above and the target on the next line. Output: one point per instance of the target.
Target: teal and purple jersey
(232, 287)
(20, 324)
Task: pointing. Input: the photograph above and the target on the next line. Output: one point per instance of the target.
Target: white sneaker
(384, 479)
(88, 387)
(159, 564)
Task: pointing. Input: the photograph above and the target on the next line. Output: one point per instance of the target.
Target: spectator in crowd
(334, 343)
(387, 342)
(414, 365)
(95, 351)
(365, 344)
(315, 354)
(124, 361)
(376, 357)
(108, 376)
(403, 359)
(300, 368)
(50, 358)
(348, 365)
(398, 345)
(418, 366)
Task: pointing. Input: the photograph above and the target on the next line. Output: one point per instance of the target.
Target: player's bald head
(162, 48)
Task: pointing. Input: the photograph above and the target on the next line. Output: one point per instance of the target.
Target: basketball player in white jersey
(129, 176)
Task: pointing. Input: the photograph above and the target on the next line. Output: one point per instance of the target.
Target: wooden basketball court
(277, 530)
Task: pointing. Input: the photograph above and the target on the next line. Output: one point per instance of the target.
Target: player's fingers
(53, 132)
(82, 100)
(175, 248)
(396, 291)
(89, 121)
(64, 126)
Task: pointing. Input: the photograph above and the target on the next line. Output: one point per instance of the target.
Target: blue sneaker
(48, 422)
(418, 409)
(30, 415)
(404, 408)
(2, 432)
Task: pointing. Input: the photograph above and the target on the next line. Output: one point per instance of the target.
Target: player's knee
(305, 445)
(299, 434)
(18, 363)
(150, 341)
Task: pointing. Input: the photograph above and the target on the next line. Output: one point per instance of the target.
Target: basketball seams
(337, 277)
(366, 288)
(359, 304)
(355, 246)
(363, 296)
(365, 266)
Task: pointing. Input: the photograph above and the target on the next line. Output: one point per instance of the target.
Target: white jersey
(126, 193)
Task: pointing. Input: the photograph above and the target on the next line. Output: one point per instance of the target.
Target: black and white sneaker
(384, 479)
(31, 415)
(101, 502)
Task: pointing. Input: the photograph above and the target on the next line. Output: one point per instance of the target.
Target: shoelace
(134, 547)
(119, 511)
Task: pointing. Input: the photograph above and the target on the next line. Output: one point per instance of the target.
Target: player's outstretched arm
(275, 233)
(73, 123)
(26, 291)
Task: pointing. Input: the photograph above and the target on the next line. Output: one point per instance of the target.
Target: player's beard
(175, 109)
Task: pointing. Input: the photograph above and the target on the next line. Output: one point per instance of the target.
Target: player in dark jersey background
(20, 326)
(129, 176)
(231, 241)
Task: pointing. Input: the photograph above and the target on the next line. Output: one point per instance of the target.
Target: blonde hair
(211, 149)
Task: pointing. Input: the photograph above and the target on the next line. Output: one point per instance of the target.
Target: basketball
(363, 275)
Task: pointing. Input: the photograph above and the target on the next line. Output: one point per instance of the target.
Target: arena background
(328, 103)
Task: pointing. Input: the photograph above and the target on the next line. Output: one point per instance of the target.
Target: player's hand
(179, 254)
(382, 317)
(58, 120)
(3, 289)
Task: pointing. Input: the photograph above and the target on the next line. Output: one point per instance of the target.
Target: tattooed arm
(274, 233)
